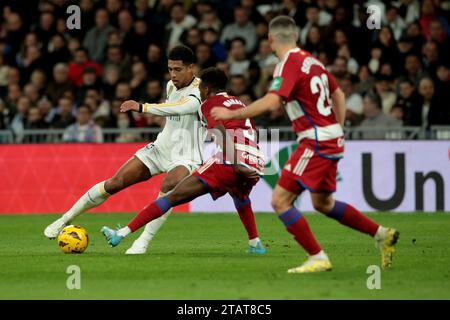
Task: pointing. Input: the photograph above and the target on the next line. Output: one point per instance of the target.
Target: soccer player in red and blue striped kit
(316, 106)
(234, 169)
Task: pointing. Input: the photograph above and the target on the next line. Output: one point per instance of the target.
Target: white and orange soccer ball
(73, 239)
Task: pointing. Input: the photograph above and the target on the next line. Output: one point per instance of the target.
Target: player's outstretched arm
(186, 105)
(269, 102)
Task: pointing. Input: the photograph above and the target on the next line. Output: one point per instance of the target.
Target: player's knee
(324, 207)
(168, 184)
(279, 204)
(114, 184)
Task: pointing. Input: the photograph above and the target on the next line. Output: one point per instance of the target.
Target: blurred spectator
(353, 101)
(18, 122)
(205, 58)
(138, 40)
(138, 81)
(242, 27)
(387, 96)
(63, 117)
(312, 19)
(59, 83)
(427, 111)
(211, 38)
(80, 62)
(395, 21)
(180, 22)
(124, 122)
(116, 57)
(374, 117)
(409, 99)
(191, 38)
(397, 112)
(238, 57)
(209, 20)
(96, 38)
(34, 119)
(84, 129)
(155, 63)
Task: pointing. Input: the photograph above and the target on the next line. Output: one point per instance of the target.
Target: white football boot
(54, 229)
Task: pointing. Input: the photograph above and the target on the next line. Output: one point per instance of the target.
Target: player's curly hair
(214, 78)
(183, 53)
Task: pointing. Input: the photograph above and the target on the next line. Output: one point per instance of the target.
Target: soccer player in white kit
(177, 150)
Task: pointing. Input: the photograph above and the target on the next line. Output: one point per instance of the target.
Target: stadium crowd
(55, 77)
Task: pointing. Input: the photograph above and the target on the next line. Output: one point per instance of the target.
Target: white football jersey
(183, 135)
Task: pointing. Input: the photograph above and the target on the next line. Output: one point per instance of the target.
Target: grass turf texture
(203, 257)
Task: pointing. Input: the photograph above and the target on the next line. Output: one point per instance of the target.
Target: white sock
(381, 233)
(319, 256)
(153, 226)
(94, 197)
(123, 232)
(253, 242)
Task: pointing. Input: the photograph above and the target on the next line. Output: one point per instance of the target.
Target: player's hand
(129, 105)
(221, 113)
(246, 172)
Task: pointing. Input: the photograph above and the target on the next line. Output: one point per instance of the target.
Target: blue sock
(338, 210)
(290, 216)
(163, 204)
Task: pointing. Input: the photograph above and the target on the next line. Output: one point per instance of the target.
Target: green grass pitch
(198, 256)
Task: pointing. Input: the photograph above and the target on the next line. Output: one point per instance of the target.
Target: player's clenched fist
(129, 105)
(220, 113)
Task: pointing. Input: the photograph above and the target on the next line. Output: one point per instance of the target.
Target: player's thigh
(282, 199)
(188, 189)
(173, 177)
(322, 201)
(131, 172)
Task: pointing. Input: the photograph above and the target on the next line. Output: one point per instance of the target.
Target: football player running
(316, 106)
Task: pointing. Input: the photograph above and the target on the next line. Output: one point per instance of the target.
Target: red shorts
(221, 178)
(305, 169)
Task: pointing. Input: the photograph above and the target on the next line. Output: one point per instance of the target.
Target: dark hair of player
(183, 53)
(214, 79)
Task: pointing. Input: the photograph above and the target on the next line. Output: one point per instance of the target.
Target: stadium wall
(400, 176)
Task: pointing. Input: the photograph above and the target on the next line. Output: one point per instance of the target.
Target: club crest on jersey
(276, 83)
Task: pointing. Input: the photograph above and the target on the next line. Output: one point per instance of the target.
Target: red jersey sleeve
(285, 77)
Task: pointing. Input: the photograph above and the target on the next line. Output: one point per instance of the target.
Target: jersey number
(320, 84)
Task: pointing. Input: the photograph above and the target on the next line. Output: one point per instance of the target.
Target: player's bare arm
(338, 98)
(269, 102)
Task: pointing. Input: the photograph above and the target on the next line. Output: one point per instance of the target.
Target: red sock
(248, 220)
(297, 225)
(353, 218)
(149, 213)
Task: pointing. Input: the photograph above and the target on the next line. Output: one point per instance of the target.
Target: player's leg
(188, 189)
(347, 215)
(245, 211)
(283, 197)
(172, 178)
(131, 172)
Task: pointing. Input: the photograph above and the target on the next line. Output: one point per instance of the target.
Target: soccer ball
(73, 239)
